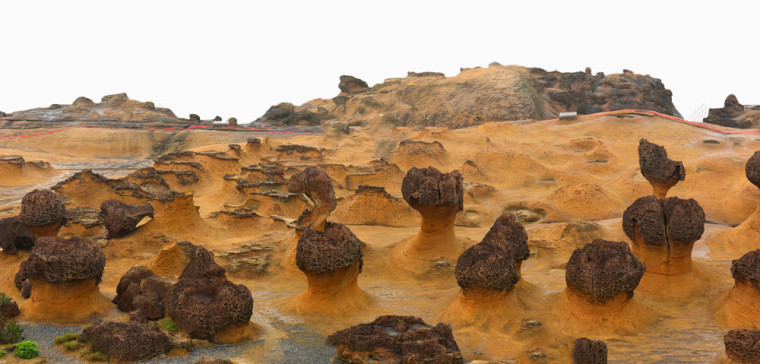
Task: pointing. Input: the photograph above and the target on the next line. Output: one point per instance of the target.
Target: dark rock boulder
(746, 269)
(335, 248)
(602, 270)
(734, 115)
(485, 266)
(195, 117)
(14, 235)
(587, 351)
(127, 341)
(752, 169)
(664, 222)
(660, 171)
(121, 218)
(351, 84)
(129, 287)
(42, 208)
(397, 339)
(58, 260)
(509, 235)
(315, 183)
(428, 186)
(743, 346)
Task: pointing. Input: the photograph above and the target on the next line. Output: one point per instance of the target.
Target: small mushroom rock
(121, 218)
(397, 339)
(485, 267)
(661, 172)
(43, 212)
(603, 270)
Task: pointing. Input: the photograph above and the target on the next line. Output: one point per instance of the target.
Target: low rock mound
(602, 270)
(127, 341)
(397, 339)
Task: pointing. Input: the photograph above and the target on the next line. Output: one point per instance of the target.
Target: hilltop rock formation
(734, 115)
(397, 339)
(476, 96)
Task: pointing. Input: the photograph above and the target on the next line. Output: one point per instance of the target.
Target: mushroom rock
(317, 185)
(64, 275)
(438, 197)
(332, 261)
(127, 341)
(14, 235)
(205, 305)
(586, 351)
(508, 235)
(661, 172)
(485, 267)
(663, 232)
(140, 289)
(121, 218)
(740, 306)
(397, 339)
(743, 346)
(43, 212)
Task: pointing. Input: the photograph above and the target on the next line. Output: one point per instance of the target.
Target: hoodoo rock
(508, 235)
(602, 270)
(316, 184)
(43, 212)
(14, 235)
(397, 339)
(661, 172)
(740, 306)
(127, 341)
(485, 267)
(334, 249)
(121, 218)
(743, 346)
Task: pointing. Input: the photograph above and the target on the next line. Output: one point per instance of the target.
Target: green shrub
(96, 356)
(72, 345)
(26, 350)
(167, 324)
(10, 331)
(66, 338)
(2, 353)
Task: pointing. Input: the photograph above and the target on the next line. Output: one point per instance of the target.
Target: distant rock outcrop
(734, 115)
(476, 96)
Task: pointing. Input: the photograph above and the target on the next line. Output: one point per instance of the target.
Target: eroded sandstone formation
(43, 212)
(735, 115)
(121, 218)
(397, 339)
(661, 172)
(743, 346)
(14, 235)
(740, 307)
(316, 184)
(603, 270)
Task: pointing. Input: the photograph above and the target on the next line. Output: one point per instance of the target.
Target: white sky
(238, 58)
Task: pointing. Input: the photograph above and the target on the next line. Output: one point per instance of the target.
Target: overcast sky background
(238, 58)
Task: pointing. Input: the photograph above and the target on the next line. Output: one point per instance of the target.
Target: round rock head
(743, 346)
(752, 169)
(660, 171)
(335, 248)
(428, 186)
(646, 214)
(664, 222)
(485, 266)
(746, 269)
(42, 208)
(602, 270)
(121, 218)
(58, 260)
(588, 351)
(685, 220)
(509, 235)
(14, 235)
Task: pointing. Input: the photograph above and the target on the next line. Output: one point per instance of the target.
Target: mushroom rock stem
(437, 227)
(666, 260)
(332, 283)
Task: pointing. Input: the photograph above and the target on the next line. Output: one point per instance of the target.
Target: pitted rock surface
(655, 165)
(747, 269)
(315, 183)
(743, 346)
(603, 269)
(509, 235)
(59, 260)
(14, 235)
(121, 218)
(428, 186)
(588, 351)
(42, 208)
(664, 222)
(127, 341)
(335, 248)
(752, 169)
(486, 266)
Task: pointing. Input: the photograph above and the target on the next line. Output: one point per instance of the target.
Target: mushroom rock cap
(407, 338)
(315, 183)
(486, 266)
(58, 260)
(42, 208)
(747, 269)
(121, 218)
(752, 169)
(603, 269)
(127, 341)
(428, 186)
(509, 235)
(743, 345)
(588, 351)
(685, 219)
(646, 214)
(201, 264)
(655, 165)
(15, 235)
(335, 248)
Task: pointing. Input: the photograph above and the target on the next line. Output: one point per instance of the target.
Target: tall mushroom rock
(661, 172)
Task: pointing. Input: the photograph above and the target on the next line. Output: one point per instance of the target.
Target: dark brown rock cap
(752, 169)
(14, 235)
(59, 260)
(587, 351)
(743, 346)
(508, 234)
(603, 269)
(351, 84)
(127, 341)
(487, 267)
(121, 218)
(42, 208)
(655, 165)
(428, 186)
(399, 339)
(315, 183)
(664, 222)
(335, 248)
(747, 269)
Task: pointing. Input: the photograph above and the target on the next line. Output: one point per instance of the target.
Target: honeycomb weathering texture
(743, 346)
(661, 222)
(127, 341)
(509, 235)
(485, 266)
(586, 351)
(603, 269)
(335, 248)
(428, 186)
(655, 165)
(747, 269)
(400, 339)
(42, 208)
(58, 260)
(752, 169)
(14, 235)
(121, 218)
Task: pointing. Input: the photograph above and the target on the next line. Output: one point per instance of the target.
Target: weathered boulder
(58, 260)
(743, 346)
(333, 249)
(127, 341)
(735, 115)
(661, 172)
(14, 235)
(42, 208)
(508, 235)
(586, 351)
(430, 187)
(485, 266)
(746, 269)
(121, 218)
(752, 169)
(351, 84)
(602, 270)
(317, 185)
